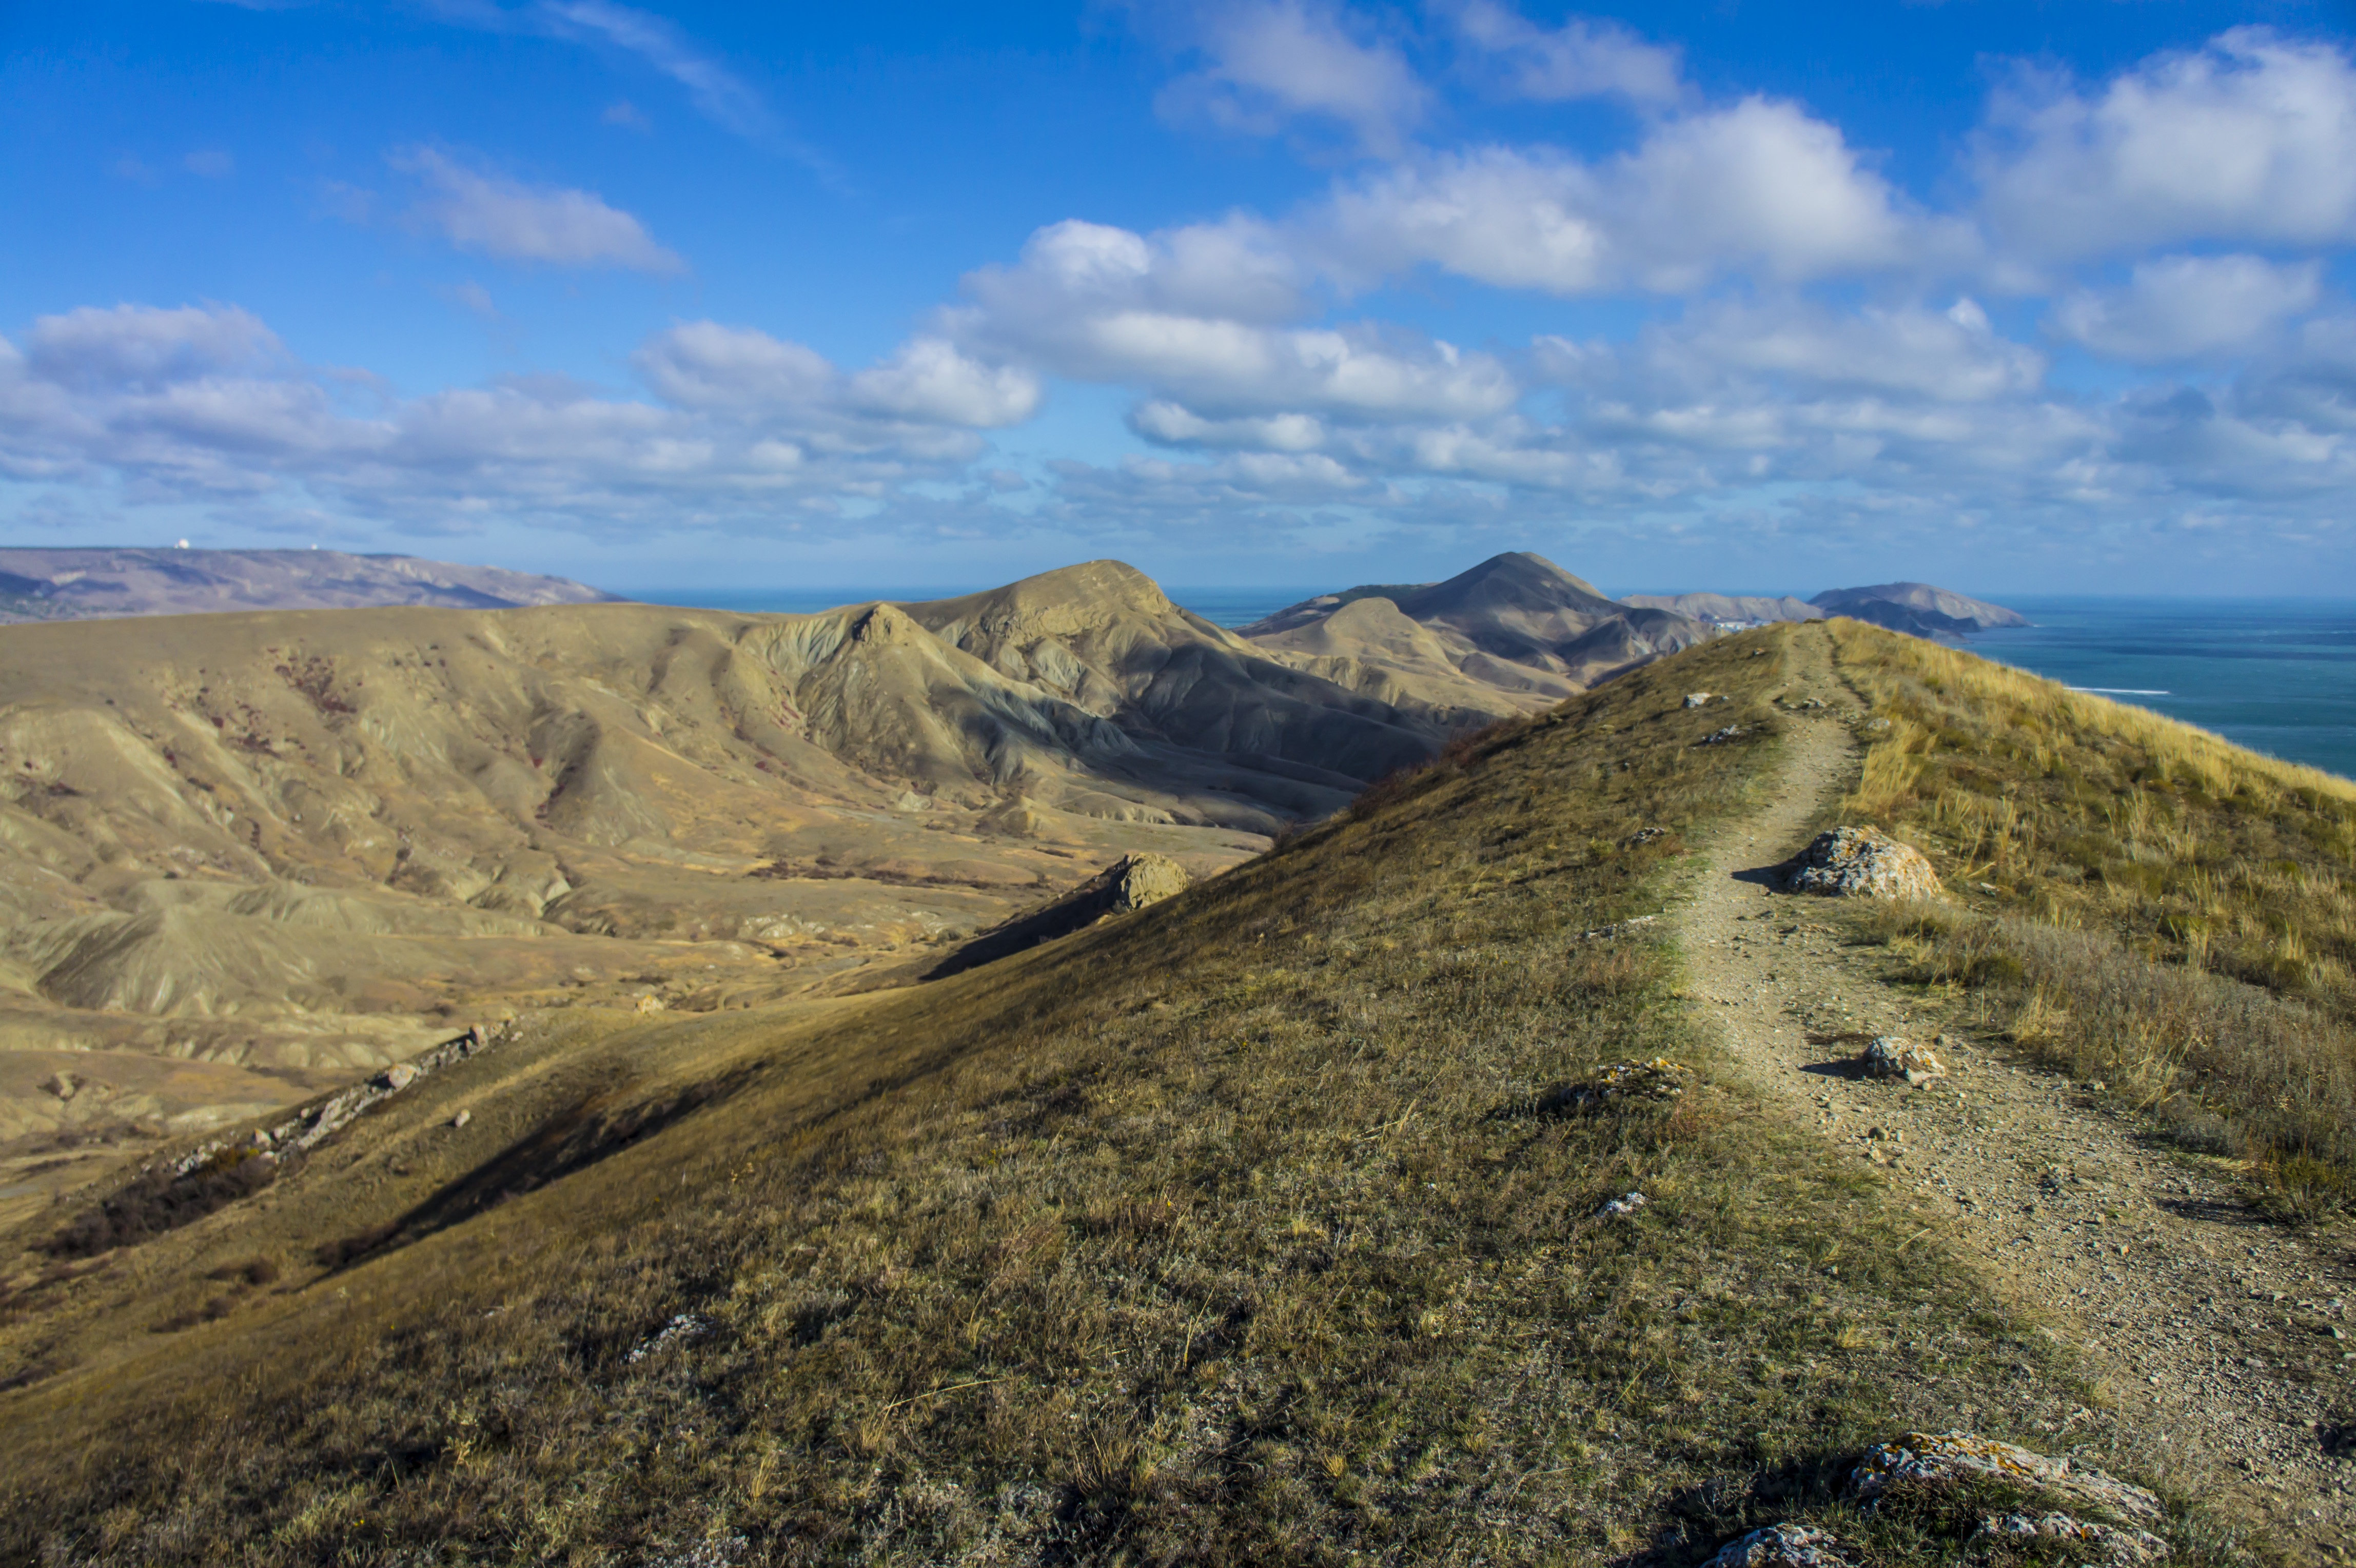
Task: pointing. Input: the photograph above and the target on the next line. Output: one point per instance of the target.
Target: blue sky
(2025, 298)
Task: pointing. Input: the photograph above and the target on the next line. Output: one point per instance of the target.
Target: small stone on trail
(1862, 862)
(461, 1119)
(1781, 1546)
(1889, 1056)
(650, 1003)
(63, 1085)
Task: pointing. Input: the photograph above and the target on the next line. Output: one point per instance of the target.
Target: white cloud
(1195, 315)
(205, 403)
(2250, 139)
(1270, 62)
(1759, 186)
(930, 379)
(1580, 59)
(2188, 308)
(515, 222)
(209, 163)
(1937, 355)
(138, 348)
(627, 115)
(703, 364)
(1174, 424)
(472, 298)
(716, 91)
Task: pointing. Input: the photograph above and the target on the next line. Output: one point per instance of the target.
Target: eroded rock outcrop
(1131, 883)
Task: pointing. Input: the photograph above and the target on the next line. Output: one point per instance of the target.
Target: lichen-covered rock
(1862, 862)
(1782, 1546)
(1928, 1457)
(1889, 1056)
(1148, 878)
(1720, 737)
(1621, 1207)
(2124, 1548)
(1659, 1079)
(1697, 699)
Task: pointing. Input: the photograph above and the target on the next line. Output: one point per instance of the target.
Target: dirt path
(2220, 1336)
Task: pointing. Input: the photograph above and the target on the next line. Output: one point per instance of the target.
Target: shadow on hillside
(572, 1141)
(1771, 877)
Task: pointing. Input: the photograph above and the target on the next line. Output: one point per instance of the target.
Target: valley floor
(2219, 1336)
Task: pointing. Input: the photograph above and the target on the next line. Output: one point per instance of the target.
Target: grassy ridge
(1245, 1230)
(2172, 913)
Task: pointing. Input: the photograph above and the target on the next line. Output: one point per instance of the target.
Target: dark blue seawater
(2275, 675)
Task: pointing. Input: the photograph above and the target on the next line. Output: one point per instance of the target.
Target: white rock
(1889, 1056)
(1621, 1207)
(1862, 862)
(1937, 1457)
(2124, 1548)
(1781, 1546)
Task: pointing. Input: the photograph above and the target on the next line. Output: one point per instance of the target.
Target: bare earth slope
(1512, 635)
(295, 845)
(74, 585)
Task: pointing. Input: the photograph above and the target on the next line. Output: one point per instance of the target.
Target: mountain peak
(1516, 579)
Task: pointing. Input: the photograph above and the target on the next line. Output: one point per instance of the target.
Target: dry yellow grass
(2155, 907)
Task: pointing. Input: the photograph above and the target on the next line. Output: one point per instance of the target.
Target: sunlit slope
(304, 841)
(1510, 636)
(1252, 1226)
(2146, 901)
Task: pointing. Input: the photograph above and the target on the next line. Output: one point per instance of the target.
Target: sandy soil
(2223, 1342)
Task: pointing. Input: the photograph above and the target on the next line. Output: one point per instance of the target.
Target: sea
(2275, 675)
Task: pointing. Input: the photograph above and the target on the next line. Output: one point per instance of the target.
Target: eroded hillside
(280, 848)
(1513, 635)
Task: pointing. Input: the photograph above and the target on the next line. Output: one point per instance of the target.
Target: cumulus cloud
(2188, 308)
(704, 364)
(2249, 139)
(515, 222)
(1581, 59)
(1758, 187)
(930, 379)
(205, 403)
(1198, 317)
(1267, 62)
(139, 348)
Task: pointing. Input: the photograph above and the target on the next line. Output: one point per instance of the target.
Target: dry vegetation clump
(1246, 1228)
(2172, 913)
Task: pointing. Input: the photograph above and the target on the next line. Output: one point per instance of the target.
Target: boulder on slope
(1862, 862)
